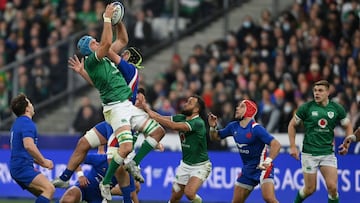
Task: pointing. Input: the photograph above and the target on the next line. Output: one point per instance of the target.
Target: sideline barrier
(159, 170)
(171, 142)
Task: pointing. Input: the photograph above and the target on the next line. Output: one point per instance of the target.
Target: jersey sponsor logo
(314, 113)
(322, 123)
(330, 114)
(241, 145)
(242, 151)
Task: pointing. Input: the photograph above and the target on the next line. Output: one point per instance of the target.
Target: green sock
(145, 149)
(333, 200)
(110, 172)
(298, 198)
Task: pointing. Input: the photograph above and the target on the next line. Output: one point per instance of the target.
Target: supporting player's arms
(78, 66)
(165, 121)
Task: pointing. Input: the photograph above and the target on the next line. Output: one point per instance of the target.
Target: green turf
(16, 201)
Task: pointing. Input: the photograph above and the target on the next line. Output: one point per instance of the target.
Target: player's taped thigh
(111, 151)
(150, 126)
(124, 136)
(92, 138)
(176, 187)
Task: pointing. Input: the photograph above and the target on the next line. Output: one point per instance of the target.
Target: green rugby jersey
(193, 142)
(319, 123)
(107, 79)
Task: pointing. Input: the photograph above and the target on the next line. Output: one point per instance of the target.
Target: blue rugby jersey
(22, 127)
(131, 75)
(250, 141)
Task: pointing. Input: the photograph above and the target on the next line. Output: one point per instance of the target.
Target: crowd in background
(272, 60)
(29, 27)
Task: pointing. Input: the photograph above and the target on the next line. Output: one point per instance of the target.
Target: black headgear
(135, 57)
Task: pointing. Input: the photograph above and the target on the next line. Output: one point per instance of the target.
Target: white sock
(118, 159)
(151, 141)
(301, 193)
(333, 198)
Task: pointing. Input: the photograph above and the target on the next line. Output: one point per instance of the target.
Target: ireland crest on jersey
(330, 114)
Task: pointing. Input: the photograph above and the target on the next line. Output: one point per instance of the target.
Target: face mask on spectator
(286, 26)
(287, 109)
(266, 27)
(267, 108)
(357, 98)
(246, 24)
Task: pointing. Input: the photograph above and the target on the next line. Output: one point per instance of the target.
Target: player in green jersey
(195, 165)
(121, 114)
(319, 117)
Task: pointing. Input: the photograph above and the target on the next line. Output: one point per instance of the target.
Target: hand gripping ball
(118, 14)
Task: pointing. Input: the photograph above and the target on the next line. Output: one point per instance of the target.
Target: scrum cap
(251, 108)
(84, 45)
(135, 57)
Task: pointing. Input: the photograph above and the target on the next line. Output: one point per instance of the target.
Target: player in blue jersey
(87, 186)
(95, 137)
(251, 139)
(24, 152)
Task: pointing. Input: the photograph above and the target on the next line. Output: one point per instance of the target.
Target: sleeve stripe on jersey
(133, 82)
(254, 124)
(189, 126)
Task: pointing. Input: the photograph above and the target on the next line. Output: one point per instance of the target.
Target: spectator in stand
(87, 15)
(5, 97)
(140, 33)
(269, 114)
(286, 114)
(40, 80)
(314, 73)
(86, 117)
(24, 83)
(58, 72)
(199, 54)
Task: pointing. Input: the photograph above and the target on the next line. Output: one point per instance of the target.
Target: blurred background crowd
(270, 59)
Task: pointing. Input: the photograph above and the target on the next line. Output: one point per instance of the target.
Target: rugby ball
(118, 14)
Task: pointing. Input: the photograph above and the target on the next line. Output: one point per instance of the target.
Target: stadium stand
(270, 59)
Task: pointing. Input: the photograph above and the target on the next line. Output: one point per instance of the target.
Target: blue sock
(42, 199)
(66, 175)
(127, 193)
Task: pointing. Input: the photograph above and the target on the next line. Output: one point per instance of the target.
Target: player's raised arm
(212, 120)
(107, 35)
